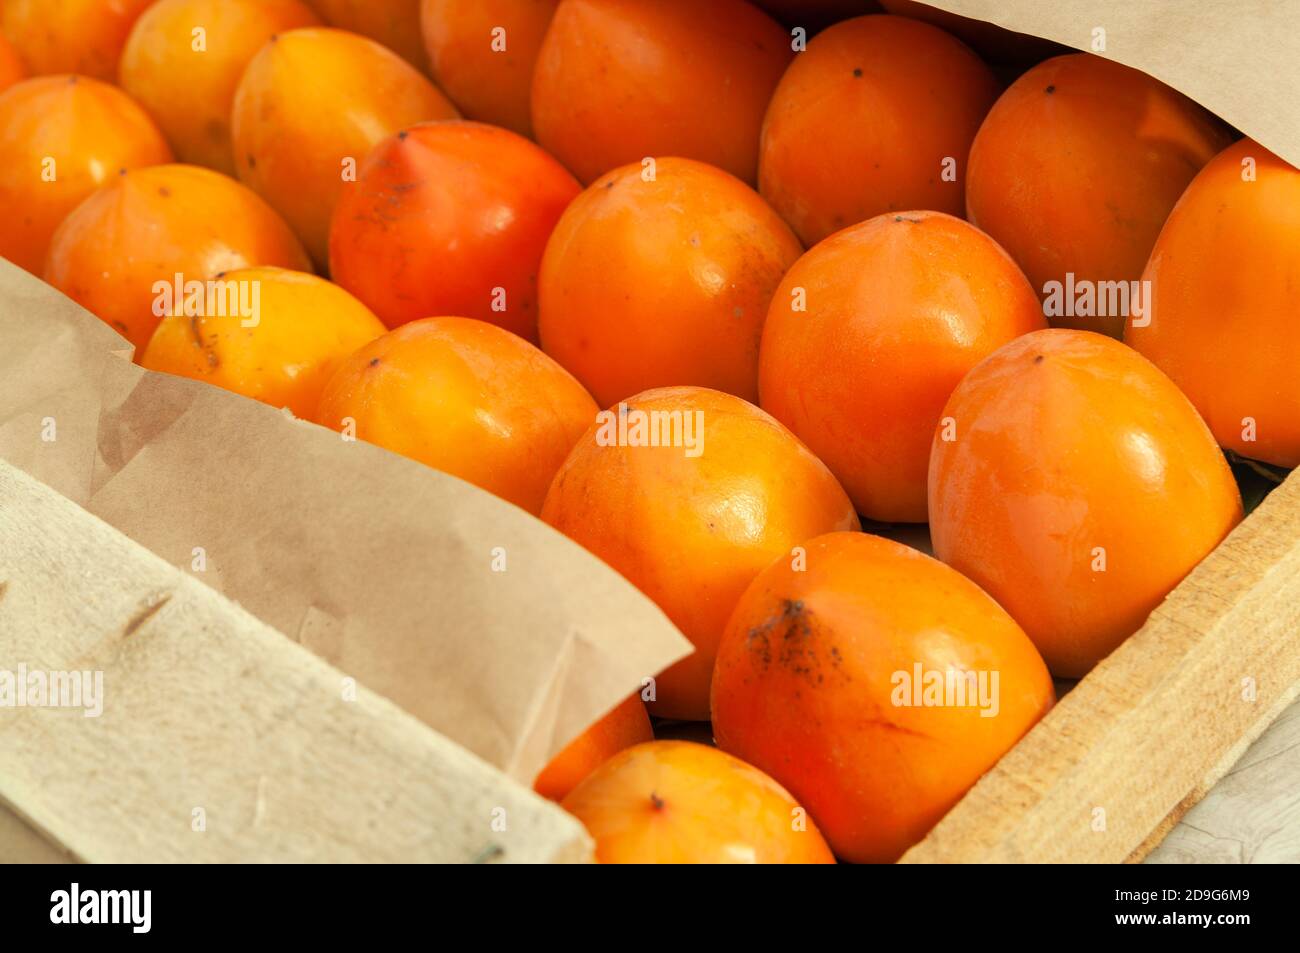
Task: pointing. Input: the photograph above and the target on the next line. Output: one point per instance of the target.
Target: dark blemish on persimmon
(657, 802)
(1038, 358)
(252, 163)
(1050, 90)
(374, 361)
(857, 72)
(164, 191)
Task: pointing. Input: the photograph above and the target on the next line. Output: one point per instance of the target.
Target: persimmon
(482, 55)
(625, 725)
(71, 36)
(877, 685)
(394, 23)
(268, 333)
(868, 334)
(61, 137)
(1077, 486)
(467, 398)
(1076, 168)
(450, 218)
(618, 80)
(689, 493)
(195, 114)
(877, 115)
(149, 225)
(677, 802)
(309, 107)
(663, 280)
(1223, 277)
(989, 40)
(11, 67)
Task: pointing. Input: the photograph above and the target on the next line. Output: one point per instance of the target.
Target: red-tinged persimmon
(660, 274)
(622, 727)
(867, 336)
(1077, 487)
(62, 137)
(877, 115)
(677, 802)
(450, 218)
(71, 36)
(150, 225)
(618, 80)
(11, 66)
(690, 493)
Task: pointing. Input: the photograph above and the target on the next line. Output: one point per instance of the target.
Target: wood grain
(210, 714)
(1134, 745)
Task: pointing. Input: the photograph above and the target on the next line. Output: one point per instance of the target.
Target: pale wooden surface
(1128, 751)
(207, 707)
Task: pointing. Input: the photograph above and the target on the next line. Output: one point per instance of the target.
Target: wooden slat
(1131, 748)
(208, 709)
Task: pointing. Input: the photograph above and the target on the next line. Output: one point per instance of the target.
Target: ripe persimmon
(1075, 170)
(465, 397)
(677, 802)
(867, 336)
(662, 280)
(826, 680)
(279, 345)
(11, 67)
(62, 137)
(394, 23)
(689, 493)
(195, 114)
(618, 80)
(992, 42)
(309, 107)
(482, 55)
(148, 226)
(1223, 277)
(625, 725)
(1077, 486)
(71, 36)
(450, 218)
(877, 115)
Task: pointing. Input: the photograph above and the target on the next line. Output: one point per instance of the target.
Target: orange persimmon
(1077, 486)
(62, 137)
(70, 36)
(867, 336)
(677, 802)
(877, 115)
(660, 274)
(450, 218)
(482, 55)
(309, 107)
(11, 66)
(690, 493)
(1075, 170)
(617, 80)
(464, 397)
(268, 333)
(150, 225)
(1224, 275)
(825, 679)
(625, 725)
(195, 114)
(394, 23)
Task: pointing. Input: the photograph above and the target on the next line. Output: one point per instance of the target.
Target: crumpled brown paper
(389, 570)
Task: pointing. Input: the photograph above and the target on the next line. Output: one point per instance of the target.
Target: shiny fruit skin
(70, 36)
(807, 688)
(309, 107)
(622, 727)
(305, 327)
(677, 802)
(692, 531)
(61, 138)
(665, 282)
(147, 226)
(1076, 168)
(617, 80)
(486, 82)
(868, 120)
(392, 23)
(467, 398)
(1223, 277)
(1080, 488)
(923, 294)
(195, 114)
(450, 218)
